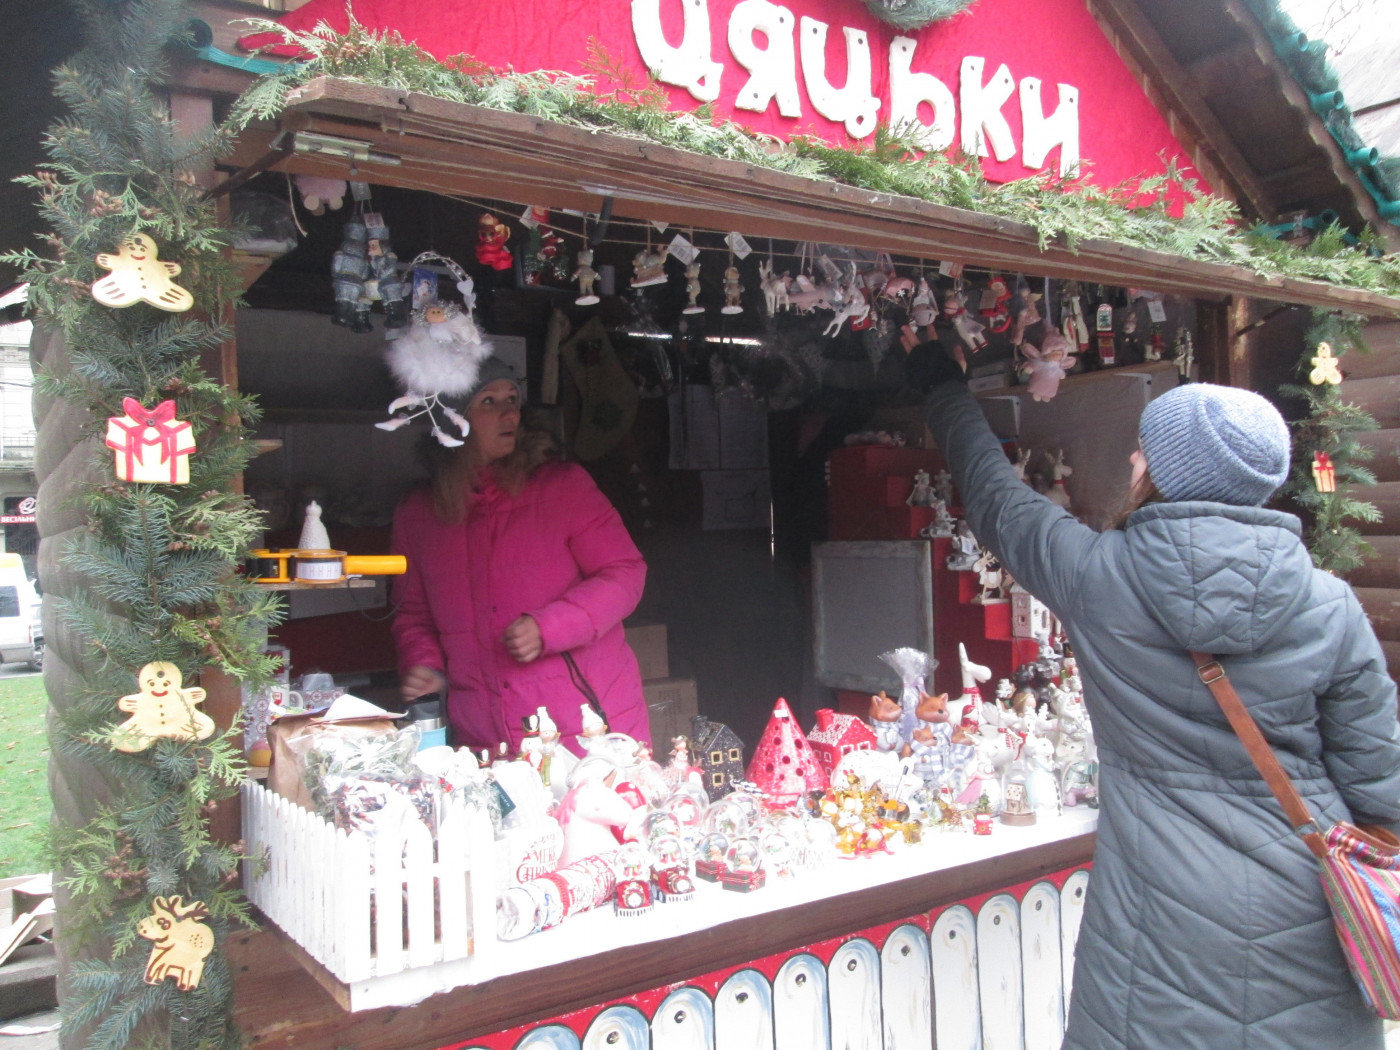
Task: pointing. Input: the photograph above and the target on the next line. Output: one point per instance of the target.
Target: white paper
(660, 225)
(1156, 310)
(682, 249)
(736, 499)
(527, 218)
(950, 269)
(738, 245)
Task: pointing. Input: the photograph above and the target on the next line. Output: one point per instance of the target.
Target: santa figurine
(491, 237)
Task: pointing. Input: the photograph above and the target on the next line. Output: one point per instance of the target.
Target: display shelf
(1151, 370)
(354, 583)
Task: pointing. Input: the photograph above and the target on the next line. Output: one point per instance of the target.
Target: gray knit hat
(490, 370)
(1216, 443)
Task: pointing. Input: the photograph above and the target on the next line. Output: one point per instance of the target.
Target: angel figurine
(1047, 366)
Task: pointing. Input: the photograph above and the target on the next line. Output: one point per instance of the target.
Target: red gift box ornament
(150, 445)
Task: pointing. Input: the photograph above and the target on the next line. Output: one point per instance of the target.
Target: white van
(21, 635)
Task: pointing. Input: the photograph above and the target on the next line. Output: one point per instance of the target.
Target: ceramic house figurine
(1030, 619)
(1016, 809)
(836, 735)
(720, 754)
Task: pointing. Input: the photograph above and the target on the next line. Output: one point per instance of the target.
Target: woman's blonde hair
(453, 474)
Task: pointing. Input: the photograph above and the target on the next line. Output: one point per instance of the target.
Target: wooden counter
(284, 997)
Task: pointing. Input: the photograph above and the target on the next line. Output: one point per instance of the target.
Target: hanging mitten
(349, 268)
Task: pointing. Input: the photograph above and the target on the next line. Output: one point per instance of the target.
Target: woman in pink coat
(513, 560)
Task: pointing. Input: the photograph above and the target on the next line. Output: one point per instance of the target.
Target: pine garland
(1331, 426)
(1062, 211)
(158, 560)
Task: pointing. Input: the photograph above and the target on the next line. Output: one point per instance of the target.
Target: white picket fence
(372, 908)
(994, 979)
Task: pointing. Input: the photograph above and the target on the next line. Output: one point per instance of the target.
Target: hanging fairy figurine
(733, 289)
(438, 356)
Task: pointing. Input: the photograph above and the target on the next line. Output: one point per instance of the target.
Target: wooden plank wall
(1373, 382)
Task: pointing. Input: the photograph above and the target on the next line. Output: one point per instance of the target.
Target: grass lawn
(24, 765)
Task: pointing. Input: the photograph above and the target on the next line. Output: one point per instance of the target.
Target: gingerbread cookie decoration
(163, 708)
(139, 275)
(181, 941)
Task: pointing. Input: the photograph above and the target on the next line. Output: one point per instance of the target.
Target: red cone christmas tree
(784, 766)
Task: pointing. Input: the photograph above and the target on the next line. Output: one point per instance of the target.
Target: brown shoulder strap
(1260, 753)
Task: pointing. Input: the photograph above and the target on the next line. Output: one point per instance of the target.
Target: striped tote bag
(1361, 877)
(1360, 865)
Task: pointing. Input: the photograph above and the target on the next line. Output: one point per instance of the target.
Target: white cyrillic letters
(852, 105)
(688, 66)
(982, 120)
(772, 70)
(1040, 134)
(908, 90)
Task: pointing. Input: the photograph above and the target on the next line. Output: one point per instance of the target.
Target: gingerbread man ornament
(163, 708)
(139, 275)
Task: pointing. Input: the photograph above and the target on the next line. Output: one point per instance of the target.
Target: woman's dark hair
(453, 472)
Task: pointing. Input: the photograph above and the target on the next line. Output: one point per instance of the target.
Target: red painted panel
(1123, 136)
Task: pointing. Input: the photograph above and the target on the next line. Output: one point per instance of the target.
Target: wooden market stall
(1015, 899)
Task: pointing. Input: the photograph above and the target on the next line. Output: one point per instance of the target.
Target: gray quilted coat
(1205, 926)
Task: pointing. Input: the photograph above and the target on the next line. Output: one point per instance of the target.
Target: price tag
(738, 245)
(660, 225)
(1103, 318)
(527, 218)
(950, 269)
(359, 191)
(682, 249)
(1156, 310)
(989, 299)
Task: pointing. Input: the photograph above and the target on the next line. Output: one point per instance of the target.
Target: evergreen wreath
(916, 14)
(1331, 425)
(157, 561)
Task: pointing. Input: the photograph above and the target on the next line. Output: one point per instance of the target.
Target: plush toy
(319, 193)
(162, 708)
(139, 275)
(1047, 366)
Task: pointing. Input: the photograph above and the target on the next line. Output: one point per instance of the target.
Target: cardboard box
(648, 642)
(670, 704)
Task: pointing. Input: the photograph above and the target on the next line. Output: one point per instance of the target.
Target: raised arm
(1039, 543)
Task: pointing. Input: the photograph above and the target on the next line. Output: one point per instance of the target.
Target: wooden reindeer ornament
(181, 941)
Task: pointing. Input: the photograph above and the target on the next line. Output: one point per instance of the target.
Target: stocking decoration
(784, 766)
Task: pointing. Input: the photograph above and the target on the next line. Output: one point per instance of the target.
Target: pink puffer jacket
(557, 551)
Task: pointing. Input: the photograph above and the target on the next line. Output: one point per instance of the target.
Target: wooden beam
(1225, 69)
(454, 148)
(1130, 30)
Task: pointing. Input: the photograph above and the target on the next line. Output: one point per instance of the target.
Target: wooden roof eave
(456, 148)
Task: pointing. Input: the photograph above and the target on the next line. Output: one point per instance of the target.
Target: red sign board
(1028, 87)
